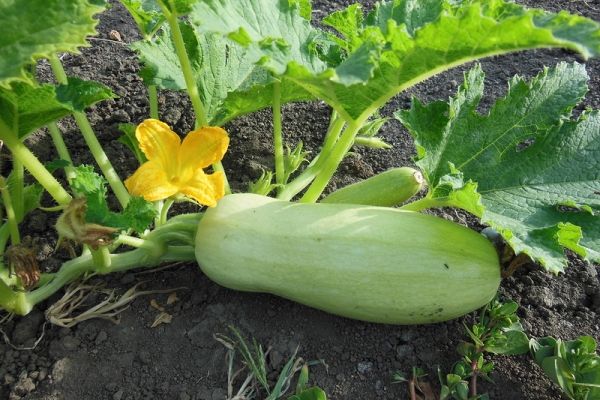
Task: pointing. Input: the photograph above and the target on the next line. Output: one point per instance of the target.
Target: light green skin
(368, 263)
(386, 189)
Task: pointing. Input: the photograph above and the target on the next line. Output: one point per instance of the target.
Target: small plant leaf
(129, 139)
(313, 393)
(137, 215)
(514, 342)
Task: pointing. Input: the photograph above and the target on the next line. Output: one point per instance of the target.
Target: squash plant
(526, 168)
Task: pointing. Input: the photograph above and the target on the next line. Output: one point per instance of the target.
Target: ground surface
(181, 360)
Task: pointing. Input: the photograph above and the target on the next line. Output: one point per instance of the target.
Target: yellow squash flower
(174, 167)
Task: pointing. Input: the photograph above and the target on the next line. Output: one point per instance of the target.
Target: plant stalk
(11, 218)
(306, 177)
(171, 242)
(35, 167)
(332, 162)
(473, 384)
(190, 81)
(278, 136)
(61, 149)
(92, 142)
(153, 100)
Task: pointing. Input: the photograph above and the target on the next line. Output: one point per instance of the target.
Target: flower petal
(205, 189)
(203, 147)
(159, 143)
(150, 181)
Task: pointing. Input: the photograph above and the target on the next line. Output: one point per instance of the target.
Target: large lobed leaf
(34, 29)
(537, 171)
(399, 44)
(229, 81)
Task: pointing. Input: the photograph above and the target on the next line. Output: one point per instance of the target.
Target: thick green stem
(164, 211)
(186, 68)
(35, 167)
(190, 81)
(153, 100)
(277, 135)
(331, 163)
(4, 236)
(131, 241)
(14, 301)
(115, 182)
(307, 176)
(92, 142)
(168, 243)
(17, 185)
(61, 149)
(15, 237)
(101, 258)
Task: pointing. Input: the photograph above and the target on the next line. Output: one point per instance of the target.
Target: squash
(369, 263)
(387, 189)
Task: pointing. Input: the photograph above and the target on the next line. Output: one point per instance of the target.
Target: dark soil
(98, 359)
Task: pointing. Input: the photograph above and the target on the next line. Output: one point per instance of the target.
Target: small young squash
(369, 263)
(387, 189)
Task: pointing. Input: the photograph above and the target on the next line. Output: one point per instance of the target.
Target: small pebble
(364, 367)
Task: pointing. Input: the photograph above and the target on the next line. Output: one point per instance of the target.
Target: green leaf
(528, 159)
(130, 140)
(274, 31)
(229, 82)
(304, 8)
(412, 13)
(558, 371)
(404, 43)
(25, 108)
(513, 342)
(137, 215)
(178, 7)
(147, 15)
(78, 94)
(39, 29)
(313, 393)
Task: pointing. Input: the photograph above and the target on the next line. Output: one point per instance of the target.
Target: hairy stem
(17, 185)
(277, 135)
(35, 167)
(61, 149)
(101, 258)
(153, 100)
(164, 211)
(190, 81)
(92, 142)
(331, 163)
(11, 218)
(171, 242)
(308, 175)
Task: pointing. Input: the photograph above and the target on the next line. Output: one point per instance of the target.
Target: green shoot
(573, 365)
(255, 360)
